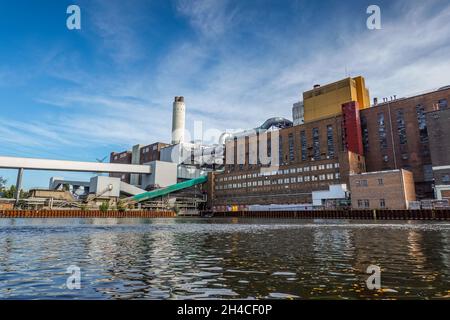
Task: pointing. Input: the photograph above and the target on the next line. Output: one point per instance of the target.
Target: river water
(194, 258)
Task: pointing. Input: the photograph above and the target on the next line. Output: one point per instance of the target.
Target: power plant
(337, 152)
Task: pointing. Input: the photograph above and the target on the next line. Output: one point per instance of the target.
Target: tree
(2, 183)
(10, 193)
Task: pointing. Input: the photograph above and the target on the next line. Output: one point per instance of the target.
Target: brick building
(395, 135)
(439, 132)
(382, 190)
(138, 155)
(312, 157)
(151, 152)
(123, 158)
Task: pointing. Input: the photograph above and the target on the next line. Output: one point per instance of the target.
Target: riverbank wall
(342, 214)
(84, 214)
(325, 214)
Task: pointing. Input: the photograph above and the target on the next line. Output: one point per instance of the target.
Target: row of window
(401, 126)
(281, 172)
(365, 203)
(364, 183)
(259, 183)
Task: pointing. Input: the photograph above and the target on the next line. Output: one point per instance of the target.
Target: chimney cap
(179, 99)
(316, 86)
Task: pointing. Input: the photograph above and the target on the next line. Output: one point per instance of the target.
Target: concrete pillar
(18, 185)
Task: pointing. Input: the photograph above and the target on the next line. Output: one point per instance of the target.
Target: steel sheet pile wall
(341, 214)
(84, 214)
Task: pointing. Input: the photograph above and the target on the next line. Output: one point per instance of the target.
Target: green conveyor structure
(170, 189)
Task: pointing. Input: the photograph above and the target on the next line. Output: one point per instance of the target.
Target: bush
(104, 207)
(121, 206)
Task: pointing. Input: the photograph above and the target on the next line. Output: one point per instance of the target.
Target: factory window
(313, 168)
(336, 165)
(365, 133)
(300, 179)
(330, 176)
(314, 178)
(386, 158)
(316, 144)
(382, 131)
(382, 203)
(380, 182)
(299, 170)
(421, 119)
(280, 150)
(322, 167)
(443, 104)
(363, 204)
(306, 169)
(330, 166)
(446, 178)
(322, 177)
(361, 183)
(304, 146)
(286, 180)
(330, 142)
(292, 170)
(337, 175)
(291, 147)
(307, 178)
(269, 148)
(401, 127)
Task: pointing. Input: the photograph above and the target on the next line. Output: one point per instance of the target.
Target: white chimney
(178, 120)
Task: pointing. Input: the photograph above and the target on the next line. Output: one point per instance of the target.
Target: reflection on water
(218, 258)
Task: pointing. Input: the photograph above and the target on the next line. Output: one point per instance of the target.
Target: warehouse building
(392, 190)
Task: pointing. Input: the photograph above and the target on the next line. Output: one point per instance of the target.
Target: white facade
(164, 174)
(338, 191)
(105, 187)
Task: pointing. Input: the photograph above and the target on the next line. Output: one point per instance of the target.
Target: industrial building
(337, 134)
(336, 139)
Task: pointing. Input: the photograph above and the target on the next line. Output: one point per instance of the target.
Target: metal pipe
(18, 185)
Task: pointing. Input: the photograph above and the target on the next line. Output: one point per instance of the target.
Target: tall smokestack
(178, 122)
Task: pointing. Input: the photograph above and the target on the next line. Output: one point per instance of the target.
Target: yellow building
(326, 101)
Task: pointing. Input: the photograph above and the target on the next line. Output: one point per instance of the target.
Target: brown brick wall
(151, 152)
(412, 155)
(335, 170)
(396, 188)
(123, 158)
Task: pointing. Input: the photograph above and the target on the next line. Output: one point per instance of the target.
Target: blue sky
(81, 94)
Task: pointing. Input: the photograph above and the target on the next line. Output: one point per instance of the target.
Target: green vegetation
(11, 192)
(104, 207)
(121, 206)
